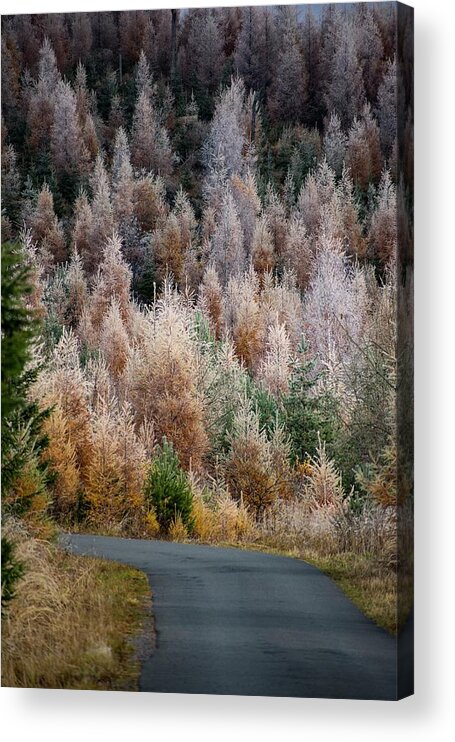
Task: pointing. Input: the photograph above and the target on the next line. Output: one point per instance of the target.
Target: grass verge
(73, 621)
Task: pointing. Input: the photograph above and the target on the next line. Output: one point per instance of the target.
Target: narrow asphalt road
(246, 623)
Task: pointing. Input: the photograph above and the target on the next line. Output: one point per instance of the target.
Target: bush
(12, 571)
(168, 489)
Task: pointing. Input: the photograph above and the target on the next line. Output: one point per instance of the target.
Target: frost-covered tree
(144, 78)
(150, 146)
(66, 141)
(46, 229)
(102, 211)
(387, 107)
(274, 371)
(262, 253)
(345, 92)
(113, 281)
(226, 145)
(227, 251)
(42, 102)
(335, 141)
(204, 49)
(122, 178)
(363, 153)
(382, 236)
(114, 343)
(289, 89)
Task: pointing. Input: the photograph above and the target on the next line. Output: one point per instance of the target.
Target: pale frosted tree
(77, 290)
(227, 251)
(243, 318)
(82, 233)
(65, 135)
(186, 218)
(41, 107)
(363, 153)
(122, 178)
(370, 49)
(289, 89)
(298, 254)
(102, 211)
(262, 253)
(275, 212)
(211, 299)
(345, 91)
(113, 281)
(275, 368)
(335, 141)
(114, 343)
(144, 78)
(382, 236)
(226, 144)
(150, 146)
(387, 107)
(335, 314)
(46, 229)
(86, 114)
(205, 52)
(248, 205)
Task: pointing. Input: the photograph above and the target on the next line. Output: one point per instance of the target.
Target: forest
(199, 211)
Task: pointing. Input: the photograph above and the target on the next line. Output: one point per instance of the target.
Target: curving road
(246, 623)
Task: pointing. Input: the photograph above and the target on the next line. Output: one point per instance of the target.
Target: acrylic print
(207, 375)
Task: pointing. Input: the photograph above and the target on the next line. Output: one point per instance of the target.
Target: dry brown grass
(71, 621)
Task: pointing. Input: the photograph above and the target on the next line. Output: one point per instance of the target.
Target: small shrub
(12, 571)
(168, 489)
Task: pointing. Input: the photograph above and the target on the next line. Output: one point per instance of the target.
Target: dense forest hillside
(206, 203)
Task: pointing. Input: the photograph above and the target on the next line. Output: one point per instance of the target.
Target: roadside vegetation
(73, 620)
(67, 621)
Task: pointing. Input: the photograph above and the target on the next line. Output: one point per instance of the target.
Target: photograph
(207, 412)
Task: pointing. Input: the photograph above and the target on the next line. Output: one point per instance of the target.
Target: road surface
(246, 623)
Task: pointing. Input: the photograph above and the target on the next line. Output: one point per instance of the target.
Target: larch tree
(363, 154)
(144, 78)
(102, 211)
(41, 107)
(227, 250)
(122, 178)
(289, 89)
(113, 281)
(387, 107)
(114, 342)
(248, 205)
(275, 368)
(77, 289)
(46, 229)
(226, 143)
(312, 54)
(150, 146)
(345, 91)
(335, 141)
(83, 230)
(82, 37)
(65, 135)
(370, 50)
(383, 235)
(205, 50)
(262, 253)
